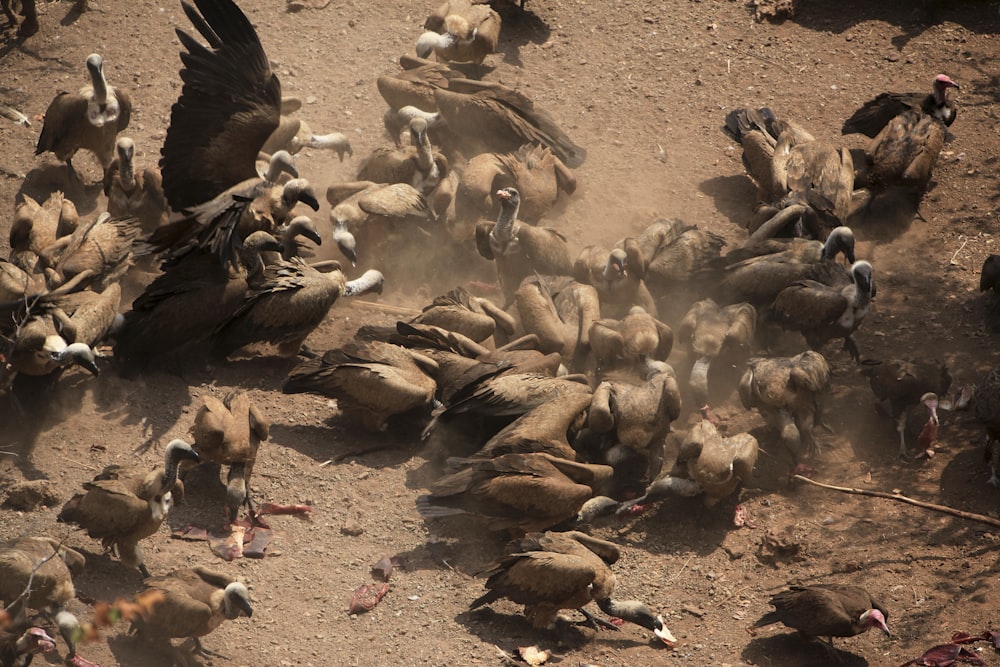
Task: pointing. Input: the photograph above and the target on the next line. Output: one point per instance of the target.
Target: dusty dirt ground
(644, 87)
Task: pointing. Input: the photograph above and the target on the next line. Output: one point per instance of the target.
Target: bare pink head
(873, 618)
(942, 82)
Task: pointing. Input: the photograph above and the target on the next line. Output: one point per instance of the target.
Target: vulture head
(873, 618)
(942, 82)
(617, 266)
(80, 354)
(299, 190)
(34, 641)
(840, 240)
(237, 601)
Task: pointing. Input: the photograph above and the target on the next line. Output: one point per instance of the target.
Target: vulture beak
(309, 199)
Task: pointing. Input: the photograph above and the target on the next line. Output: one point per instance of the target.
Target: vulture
(543, 429)
(63, 332)
(539, 176)
(493, 117)
(637, 417)
(294, 134)
(520, 250)
(291, 301)
(908, 138)
(38, 226)
(190, 603)
(522, 492)
(804, 186)
(45, 567)
(17, 648)
(900, 384)
(376, 380)
(551, 571)
(135, 194)
(101, 251)
(786, 391)
(822, 312)
(90, 119)
(984, 400)
(709, 331)
(229, 105)
(797, 250)
(457, 312)
(121, 507)
(617, 276)
(288, 236)
(989, 275)
(374, 216)
(503, 394)
(27, 28)
(230, 432)
(183, 306)
(416, 84)
(759, 279)
(707, 464)
(460, 31)
(560, 312)
(678, 256)
(876, 113)
(826, 610)
(633, 340)
(417, 164)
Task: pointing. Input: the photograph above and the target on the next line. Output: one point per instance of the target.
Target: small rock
(30, 494)
(352, 528)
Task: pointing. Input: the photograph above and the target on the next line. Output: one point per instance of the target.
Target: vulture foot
(596, 622)
(706, 413)
(144, 570)
(852, 349)
(308, 352)
(199, 649)
(994, 480)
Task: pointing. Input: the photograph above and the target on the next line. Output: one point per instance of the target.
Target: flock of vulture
(547, 400)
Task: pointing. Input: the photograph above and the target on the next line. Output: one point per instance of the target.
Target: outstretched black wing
(229, 105)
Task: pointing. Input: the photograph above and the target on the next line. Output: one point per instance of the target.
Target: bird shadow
(132, 650)
(118, 399)
(343, 439)
(790, 650)
(42, 181)
(105, 578)
(734, 196)
(520, 28)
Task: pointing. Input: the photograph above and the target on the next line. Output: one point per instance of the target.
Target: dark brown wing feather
(229, 105)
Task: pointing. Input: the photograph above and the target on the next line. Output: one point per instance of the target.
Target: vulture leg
(595, 622)
(993, 447)
(199, 649)
(901, 429)
(308, 352)
(852, 349)
(144, 570)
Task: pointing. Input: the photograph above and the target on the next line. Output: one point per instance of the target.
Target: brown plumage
(707, 465)
(878, 112)
(101, 250)
(710, 331)
(36, 227)
(418, 164)
(902, 383)
(122, 507)
(90, 119)
(984, 400)
(460, 31)
(786, 391)
(560, 312)
(796, 250)
(794, 173)
(230, 432)
(415, 84)
(133, 193)
(548, 572)
(51, 584)
(989, 275)
(291, 301)
(526, 492)
(520, 250)
(229, 105)
(632, 340)
(759, 279)
(822, 312)
(617, 276)
(63, 332)
(637, 418)
(513, 394)
(539, 176)
(181, 308)
(493, 117)
(375, 218)
(678, 256)
(826, 610)
(543, 429)
(905, 151)
(377, 380)
(190, 603)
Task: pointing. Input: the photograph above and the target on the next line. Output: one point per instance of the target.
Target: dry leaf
(533, 655)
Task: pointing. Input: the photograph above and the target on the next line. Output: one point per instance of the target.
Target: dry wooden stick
(971, 516)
